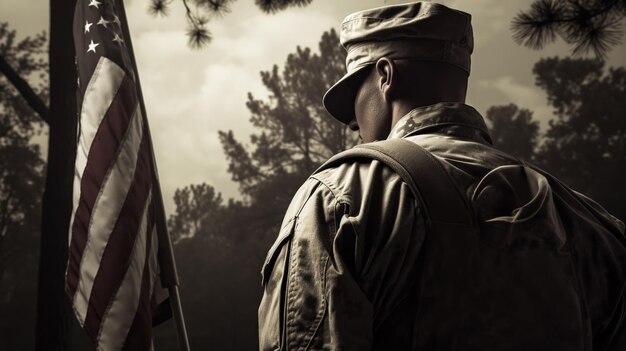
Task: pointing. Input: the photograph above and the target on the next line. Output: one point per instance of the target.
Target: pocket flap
(283, 237)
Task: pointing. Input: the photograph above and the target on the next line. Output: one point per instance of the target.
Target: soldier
(495, 255)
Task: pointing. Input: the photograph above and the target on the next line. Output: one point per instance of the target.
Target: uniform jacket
(345, 266)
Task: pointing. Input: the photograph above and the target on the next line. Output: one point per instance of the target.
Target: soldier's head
(398, 58)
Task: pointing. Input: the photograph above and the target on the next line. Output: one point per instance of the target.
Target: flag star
(92, 46)
(116, 20)
(118, 39)
(103, 22)
(87, 25)
(95, 3)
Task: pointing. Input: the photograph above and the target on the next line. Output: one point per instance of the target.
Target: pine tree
(513, 130)
(295, 133)
(585, 145)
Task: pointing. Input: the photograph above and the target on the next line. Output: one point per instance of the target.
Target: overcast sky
(191, 95)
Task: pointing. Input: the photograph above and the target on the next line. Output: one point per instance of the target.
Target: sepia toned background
(193, 95)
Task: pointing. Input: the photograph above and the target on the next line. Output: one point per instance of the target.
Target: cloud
(510, 90)
(488, 16)
(191, 95)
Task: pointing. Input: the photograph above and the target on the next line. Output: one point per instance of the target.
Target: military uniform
(343, 273)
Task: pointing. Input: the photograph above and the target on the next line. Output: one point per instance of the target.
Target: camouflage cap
(420, 30)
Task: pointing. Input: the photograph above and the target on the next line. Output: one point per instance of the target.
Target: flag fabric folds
(112, 276)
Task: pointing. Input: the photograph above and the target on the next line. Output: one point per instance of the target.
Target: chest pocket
(274, 280)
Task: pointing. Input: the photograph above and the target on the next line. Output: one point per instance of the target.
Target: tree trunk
(53, 312)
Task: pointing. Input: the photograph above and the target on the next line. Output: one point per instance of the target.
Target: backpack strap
(421, 170)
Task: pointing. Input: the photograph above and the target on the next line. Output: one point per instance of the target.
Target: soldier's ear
(385, 70)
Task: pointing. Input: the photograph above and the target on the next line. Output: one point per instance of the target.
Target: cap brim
(339, 99)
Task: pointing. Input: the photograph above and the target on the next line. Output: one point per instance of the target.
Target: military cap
(420, 30)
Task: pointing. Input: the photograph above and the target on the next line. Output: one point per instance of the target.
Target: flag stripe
(157, 293)
(101, 91)
(102, 154)
(116, 256)
(99, 94)
(121, 312)
(108, 205)
(101, 86)
(142, 323)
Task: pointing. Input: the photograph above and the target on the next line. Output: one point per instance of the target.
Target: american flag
(112, 276)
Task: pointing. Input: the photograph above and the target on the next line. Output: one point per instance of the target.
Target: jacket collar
(443, 116)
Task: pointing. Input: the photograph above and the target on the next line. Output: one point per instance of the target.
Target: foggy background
(192, 95)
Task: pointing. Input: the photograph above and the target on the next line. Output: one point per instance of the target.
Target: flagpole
(169, 275)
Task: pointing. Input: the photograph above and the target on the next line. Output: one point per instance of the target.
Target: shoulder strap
(424, 174)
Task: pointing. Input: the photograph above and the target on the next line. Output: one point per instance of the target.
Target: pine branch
(587, 26)
(198, 13)
(273, 6)
(159, 7)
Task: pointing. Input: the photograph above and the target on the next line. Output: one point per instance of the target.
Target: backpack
(524, 263)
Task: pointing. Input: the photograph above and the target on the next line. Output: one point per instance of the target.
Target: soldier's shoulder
(353, 177)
